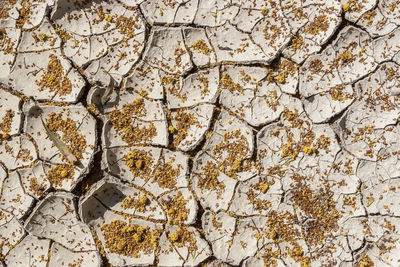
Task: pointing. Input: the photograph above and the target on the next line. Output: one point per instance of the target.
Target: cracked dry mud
(205, 133)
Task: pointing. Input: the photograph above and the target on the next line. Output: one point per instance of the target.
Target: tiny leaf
(60, 145)
(105, 98)
(99, 106)
(110, 86)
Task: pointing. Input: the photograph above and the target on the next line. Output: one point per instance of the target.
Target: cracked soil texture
(199, 133)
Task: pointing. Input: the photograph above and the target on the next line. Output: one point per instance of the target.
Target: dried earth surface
(200, 133)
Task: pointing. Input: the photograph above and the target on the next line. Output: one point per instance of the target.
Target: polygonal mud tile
(31, 251)
(231, 145)
(351, 50)
(26, 14)
(234, 241)
(35, 15)
(386, 47)
(98, 17)
(390, 10)
(255, 101)
(315, 22)
(272, 33)
(55, 218)
(74, 122)
(126, 240)
(8, 46)
(118, 60)
(343, 175)
(213, 188)
(381, 197)
(13, 197)
(60, 256)
(76, 128)
(354, 10)
(325, 77)
(176, 11)
(280, 227)
(132, 163)
(181, 206)
(354, 229)
(323, 106)
(295, 142)
(167, 50)
(11, 233)
(335, 252)
(370, 136)
(199, 47)
(18, 151)
(375, 238)
(349, 205)
(157, 11)
(9, 15)
(247, 18)
(200, 87)
(293, 253)
(153, 169)
(354, 51)
(381, 88)
(182, 246)
(315, 206)
(219, 230)
(244, 243)
(84, 49)
(215, 13)
(286, 76)
(224, 160)
(42, 38)
(117, 41)
(45, 75)
(186, 12)
(375, 23)
(239, 78)
(256, 196)
(146, 80)
(189, 125)
(11, 121)
(135, 120)
(69, 15)
(60, 176)
(385, 168)
(125, 199)
(294, 180)
(239, 48)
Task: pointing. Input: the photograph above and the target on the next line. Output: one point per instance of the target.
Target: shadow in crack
(104, 198)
